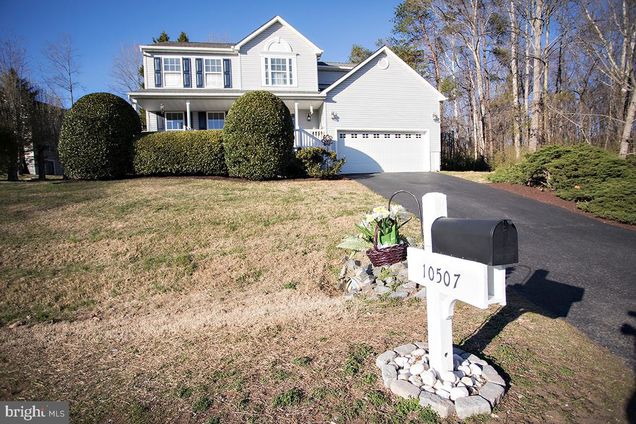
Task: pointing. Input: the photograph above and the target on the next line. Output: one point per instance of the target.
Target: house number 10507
(439, 276)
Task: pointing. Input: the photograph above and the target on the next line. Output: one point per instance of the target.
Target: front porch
(179, 112)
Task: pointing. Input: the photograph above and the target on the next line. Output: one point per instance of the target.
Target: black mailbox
(488, 241)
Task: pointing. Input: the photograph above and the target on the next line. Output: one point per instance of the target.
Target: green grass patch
(302, 361)
(290, 397)
(202, 404)
(357, 355)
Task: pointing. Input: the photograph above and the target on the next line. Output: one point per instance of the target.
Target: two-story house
(381, 114)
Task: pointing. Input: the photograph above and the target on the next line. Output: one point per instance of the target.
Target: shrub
(96, 140)
(180, 153)
(258, 136)
(597, 180)
(319, 163)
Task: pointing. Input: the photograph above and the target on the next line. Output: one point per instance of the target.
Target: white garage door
(384, 151)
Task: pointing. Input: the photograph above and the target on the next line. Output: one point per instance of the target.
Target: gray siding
(392, 98)
(307, 72)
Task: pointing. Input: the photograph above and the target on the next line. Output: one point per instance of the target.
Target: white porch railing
(308, 138)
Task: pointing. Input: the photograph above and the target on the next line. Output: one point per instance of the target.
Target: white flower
(398, 212)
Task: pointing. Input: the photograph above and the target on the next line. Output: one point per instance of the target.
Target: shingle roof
(193, 44)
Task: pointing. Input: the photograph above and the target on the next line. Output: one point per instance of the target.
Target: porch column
(189, 124)
(296, 126)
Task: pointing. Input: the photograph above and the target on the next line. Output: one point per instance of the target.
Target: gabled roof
(277, 19)
(388, 52)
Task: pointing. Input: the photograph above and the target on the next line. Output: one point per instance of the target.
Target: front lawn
(197, 300)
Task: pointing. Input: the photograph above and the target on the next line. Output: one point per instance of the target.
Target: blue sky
(100, 28)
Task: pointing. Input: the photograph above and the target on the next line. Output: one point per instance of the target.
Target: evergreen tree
(183, 38)
(163, 37)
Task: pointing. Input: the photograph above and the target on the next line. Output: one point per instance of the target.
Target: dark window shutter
(187, 76)
(185, 119)
(227, 73)
(199, 68)
(159, 121)
(203, 120)
(157, 72)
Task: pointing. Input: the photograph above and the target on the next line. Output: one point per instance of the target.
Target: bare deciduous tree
(126, 73)
(64, 68)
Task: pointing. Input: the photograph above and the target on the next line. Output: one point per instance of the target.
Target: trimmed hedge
(180, 153)
(96, 140)
(258, 136)
(598, 181)
(319, 163)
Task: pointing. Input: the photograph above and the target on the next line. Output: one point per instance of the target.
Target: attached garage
(384, 117)
(384, 151)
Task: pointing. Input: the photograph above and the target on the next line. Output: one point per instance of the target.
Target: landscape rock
(471, 405)
(444, 394)
(417, 368)
(458, 392)
(492, 393)
(444, 408)
(405, 349)
(475, 370)
(385, 358)
(400, 294)
(389, 374)
(491, 375)
(405, 389)
(428, 378)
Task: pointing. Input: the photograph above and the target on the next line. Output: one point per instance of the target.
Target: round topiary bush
(96, 141)
(258, 136)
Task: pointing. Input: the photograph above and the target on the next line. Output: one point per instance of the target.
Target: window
(279, 71)
(418, 135)
(174, 121)
(213, 73)
(387, 135)
(342, 135)
(354, 135)
(172, 71)
(365, 135)
(397, 135)
(408, 135)
(216, 120)
(376, 135)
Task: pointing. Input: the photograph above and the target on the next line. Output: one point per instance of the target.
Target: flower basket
(390, 255)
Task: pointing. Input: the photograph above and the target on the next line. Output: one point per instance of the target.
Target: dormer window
(172, 71)
(279, 64)
(279, 71)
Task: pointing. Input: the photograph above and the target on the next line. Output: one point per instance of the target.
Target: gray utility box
(488, 241)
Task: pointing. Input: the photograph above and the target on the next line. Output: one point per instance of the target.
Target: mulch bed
(546, 196)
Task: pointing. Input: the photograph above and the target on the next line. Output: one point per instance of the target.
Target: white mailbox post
(448, 279)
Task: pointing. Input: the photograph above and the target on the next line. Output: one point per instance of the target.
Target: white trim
(226, 93)
(207, 117)
(388, 52)
(269, 23)
(228, 50)
(294, 71)
(370, 130)
(165, 119)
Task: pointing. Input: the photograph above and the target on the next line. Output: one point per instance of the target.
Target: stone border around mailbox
(359, 278)
(473, 387)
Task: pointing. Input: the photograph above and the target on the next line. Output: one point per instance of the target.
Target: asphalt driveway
(570, 265)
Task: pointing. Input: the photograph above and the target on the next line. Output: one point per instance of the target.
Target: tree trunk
(536, 111)
(526, 85)
(544, 94)
(627, 127)
(516, 133)
(40, 166)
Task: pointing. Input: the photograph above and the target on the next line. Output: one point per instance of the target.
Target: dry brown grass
(475, 176)
(138, 300)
